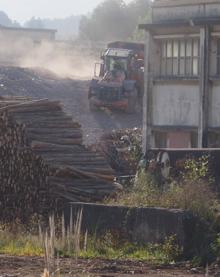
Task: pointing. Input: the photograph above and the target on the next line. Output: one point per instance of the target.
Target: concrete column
(147, 99)
(204, 87)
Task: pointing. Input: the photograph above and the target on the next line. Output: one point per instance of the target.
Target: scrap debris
(122, 149)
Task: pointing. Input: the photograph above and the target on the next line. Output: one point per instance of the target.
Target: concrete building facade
(182, 75)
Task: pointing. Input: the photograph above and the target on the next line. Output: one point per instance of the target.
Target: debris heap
(122, 149)
(43, 162)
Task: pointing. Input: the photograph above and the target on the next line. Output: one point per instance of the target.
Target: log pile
(43, 162)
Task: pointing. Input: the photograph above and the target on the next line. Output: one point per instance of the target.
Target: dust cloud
(64, 61)
(62, 58)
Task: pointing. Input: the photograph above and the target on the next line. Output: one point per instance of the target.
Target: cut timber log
(43, 163)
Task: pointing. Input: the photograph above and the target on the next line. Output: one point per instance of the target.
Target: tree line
(114, 19)
(110, 20)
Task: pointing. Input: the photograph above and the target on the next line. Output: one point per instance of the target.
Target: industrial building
(20, 43)
(182, 75)
(32, 34)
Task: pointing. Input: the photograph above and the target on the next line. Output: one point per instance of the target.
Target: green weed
(105, 246)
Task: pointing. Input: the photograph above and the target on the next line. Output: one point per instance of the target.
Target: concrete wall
(176, 10)
(175, 104)
(144, 225)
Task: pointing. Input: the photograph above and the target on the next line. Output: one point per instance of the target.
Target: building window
(218, 57)
(180, 57)
(214, 140)
(160, 139)
(175, 139)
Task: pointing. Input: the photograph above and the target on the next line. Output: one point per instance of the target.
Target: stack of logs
(43, 162)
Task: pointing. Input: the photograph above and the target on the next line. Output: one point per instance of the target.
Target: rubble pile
(43, 162)
(122, 149)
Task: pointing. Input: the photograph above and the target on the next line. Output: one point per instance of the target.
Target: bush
(191, 190)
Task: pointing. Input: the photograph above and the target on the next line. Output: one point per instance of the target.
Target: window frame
(186, 62)
(218, 57)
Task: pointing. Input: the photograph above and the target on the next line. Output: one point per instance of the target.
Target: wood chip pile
(43, 162)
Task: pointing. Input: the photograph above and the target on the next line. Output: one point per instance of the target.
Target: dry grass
(69, 243)
(196, 196)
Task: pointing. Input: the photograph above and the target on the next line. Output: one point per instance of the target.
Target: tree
(35, 23)
(6, 21)
(106, 21)
(113, 19)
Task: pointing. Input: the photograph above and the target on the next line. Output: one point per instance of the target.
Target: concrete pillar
(147, 99)
(204, 87)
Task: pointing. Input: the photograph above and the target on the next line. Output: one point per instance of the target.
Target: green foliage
(171, 249)
(136, 150)
(106, 246)
(113, 19)
(193, 191)
(20, 244)
(197, 169)
(139, 35)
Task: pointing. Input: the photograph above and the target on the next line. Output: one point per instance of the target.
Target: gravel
(39, 83)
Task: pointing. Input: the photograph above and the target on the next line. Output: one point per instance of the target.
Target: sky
(22, 10)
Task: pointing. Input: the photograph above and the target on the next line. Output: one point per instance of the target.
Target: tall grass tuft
(54, 244)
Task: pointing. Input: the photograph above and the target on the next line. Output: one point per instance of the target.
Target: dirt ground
(33, 267)
(40, 83)
(73, 94)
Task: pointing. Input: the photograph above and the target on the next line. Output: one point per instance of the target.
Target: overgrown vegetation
(54, 240)
(57, 241)
(196, 196)
(191, 188)
(54, 243)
